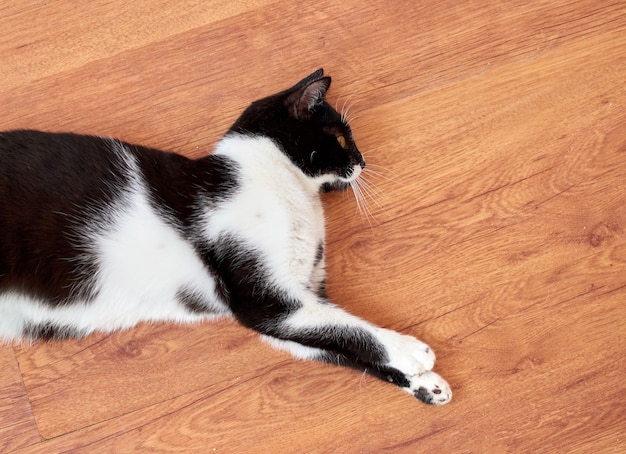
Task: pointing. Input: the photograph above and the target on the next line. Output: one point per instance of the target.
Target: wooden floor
(497, 233)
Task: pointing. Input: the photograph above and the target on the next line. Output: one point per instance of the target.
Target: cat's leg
(294, 315)
(350, 341)
(311, 327)
(429, 387)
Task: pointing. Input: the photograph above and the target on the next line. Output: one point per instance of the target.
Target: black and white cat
(99, 235)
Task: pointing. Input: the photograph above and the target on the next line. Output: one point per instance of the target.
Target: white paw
(430, 388)
(407, 354)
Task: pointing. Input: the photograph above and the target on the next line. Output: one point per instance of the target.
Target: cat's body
(99, 235)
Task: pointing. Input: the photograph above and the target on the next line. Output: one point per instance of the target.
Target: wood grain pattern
(495, 133)
(17, 425)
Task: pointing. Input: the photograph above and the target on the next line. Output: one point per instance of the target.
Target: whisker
(375, 199)
(361, 202)
(370, 150)
(346, 112)
(343, 107)
(371, 186)
(374, 193)
(369, 214)
(364, 193)
(355, 191)
(349, 115)
(343, 110)
(353, 118)
(378, 170)
(378, 173)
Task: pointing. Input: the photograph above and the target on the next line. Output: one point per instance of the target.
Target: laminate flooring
(495, 228)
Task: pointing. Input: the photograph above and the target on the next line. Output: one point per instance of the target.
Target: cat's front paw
(430, 388)
(407, 354)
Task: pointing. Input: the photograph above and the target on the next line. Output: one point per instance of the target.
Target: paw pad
(431, 389)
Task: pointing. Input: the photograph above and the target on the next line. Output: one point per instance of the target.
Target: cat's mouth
(343, 182)
(352, 174)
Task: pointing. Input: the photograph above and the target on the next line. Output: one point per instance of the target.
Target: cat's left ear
(302, 100)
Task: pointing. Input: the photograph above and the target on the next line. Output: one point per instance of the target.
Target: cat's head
(316, 138)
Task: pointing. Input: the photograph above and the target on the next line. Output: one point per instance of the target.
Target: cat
(98, 235)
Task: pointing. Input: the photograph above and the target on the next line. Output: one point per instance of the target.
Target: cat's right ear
(315, 75)
(306, 94)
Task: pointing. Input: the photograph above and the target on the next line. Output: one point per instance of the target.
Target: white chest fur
(276, 210)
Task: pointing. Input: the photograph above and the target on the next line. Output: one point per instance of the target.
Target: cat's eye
(341, 140)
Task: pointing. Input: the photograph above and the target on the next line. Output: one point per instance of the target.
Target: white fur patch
(276, 211)
(297, 350)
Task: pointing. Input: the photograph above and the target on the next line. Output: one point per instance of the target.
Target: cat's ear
(306, 94)
(315, 75)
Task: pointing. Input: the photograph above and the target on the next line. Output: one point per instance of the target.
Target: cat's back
(54, 189)
(53, 170)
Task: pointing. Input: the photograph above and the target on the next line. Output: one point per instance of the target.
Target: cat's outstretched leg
(429, 387)
(316, 329)
(298, 318)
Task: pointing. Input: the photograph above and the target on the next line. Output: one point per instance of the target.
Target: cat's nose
(361, 160)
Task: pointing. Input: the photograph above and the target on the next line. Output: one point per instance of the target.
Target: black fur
(193, 301)
(254, 302)
(176, 183)
(319, 254)
(49, 331)
(375, 369)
